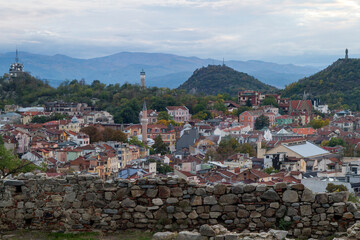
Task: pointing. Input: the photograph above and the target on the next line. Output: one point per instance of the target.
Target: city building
(179, 113)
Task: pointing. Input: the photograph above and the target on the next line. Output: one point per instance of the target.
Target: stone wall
(84, 203)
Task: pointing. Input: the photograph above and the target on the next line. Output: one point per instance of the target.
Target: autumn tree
(93, 132)
(319, 123)
(110, 134)
(230, 146)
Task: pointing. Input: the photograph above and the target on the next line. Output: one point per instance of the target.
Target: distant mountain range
(215, 79)
(162, 70)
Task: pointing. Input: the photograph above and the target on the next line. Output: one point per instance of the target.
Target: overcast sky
(233, 29)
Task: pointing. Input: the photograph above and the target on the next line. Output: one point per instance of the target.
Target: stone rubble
(219, 232)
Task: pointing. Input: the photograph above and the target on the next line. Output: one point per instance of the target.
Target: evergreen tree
(159, 146)
(261, 122)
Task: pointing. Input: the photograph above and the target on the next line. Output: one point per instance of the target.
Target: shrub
(336, 188)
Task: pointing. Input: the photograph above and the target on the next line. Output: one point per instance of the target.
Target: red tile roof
(259, 174)
(296, 104)
(304, 131)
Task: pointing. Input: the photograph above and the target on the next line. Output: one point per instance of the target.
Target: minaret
(144, 123)
(142, 78)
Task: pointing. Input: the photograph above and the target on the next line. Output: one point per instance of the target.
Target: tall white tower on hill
(142, 78)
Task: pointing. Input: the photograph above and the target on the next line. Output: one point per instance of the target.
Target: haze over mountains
(162, 70)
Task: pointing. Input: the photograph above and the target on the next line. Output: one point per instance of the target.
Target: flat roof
(307, 149)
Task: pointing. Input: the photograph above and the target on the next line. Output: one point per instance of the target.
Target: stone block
(219, 189)
(228, 199)
(270, 195)
(290, 196)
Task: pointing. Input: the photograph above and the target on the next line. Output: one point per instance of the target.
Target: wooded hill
(219, 79)
(337, 85)
(123, 101)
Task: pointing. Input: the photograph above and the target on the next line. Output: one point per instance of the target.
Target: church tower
(144, 123)
(142, 78)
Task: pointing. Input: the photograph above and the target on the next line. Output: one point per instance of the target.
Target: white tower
(142, 78)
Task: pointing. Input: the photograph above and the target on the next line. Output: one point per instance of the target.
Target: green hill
(337, 85)
(215, 79)
(24, 90)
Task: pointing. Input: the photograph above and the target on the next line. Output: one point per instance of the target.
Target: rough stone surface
(290, 196)
(228, 199)
(270, 195)
(220, 189)
(86, 203)
(210, 200)
(164, 236)
(206, 230)
(307, 196)
(186, 235)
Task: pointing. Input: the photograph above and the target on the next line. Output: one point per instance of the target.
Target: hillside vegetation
(338, 85)
(123, 101)
(218, 79)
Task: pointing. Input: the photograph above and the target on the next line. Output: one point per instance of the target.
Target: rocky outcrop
(86, 203)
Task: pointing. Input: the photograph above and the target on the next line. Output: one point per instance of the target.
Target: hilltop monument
(346, 54)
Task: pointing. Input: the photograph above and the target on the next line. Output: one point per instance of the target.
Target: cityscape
(164, 126)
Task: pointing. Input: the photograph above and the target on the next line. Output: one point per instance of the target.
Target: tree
(10, 164)
(159, 146)
(211, 155)
(319, 123)
(336, 142)
(164, 115)
(220, 106)
(227, 147)
(163, 168)
(270, 170)
(230, 146)
(135, 141)
(52, 117)
(270, 100)
(93, 132)
(240, 110)
(248, 103)
(110, 134)
(247, 148)
(119, 136)
(203, 115)
(261, 122)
